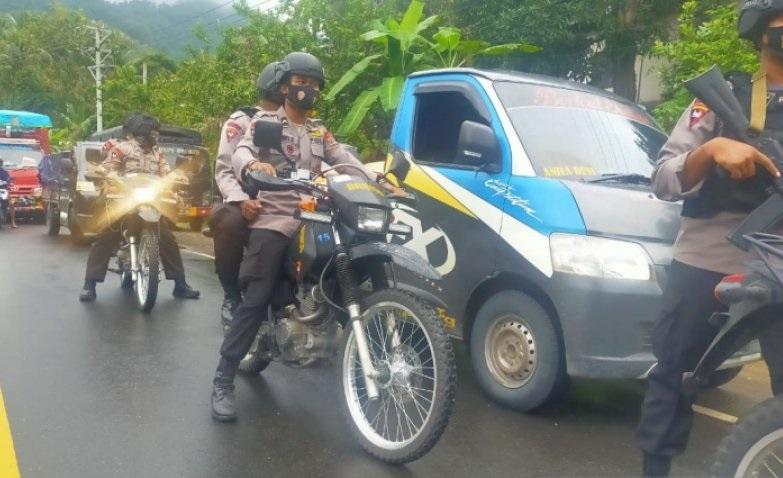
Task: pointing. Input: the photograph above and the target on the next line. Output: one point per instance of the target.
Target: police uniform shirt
(231, 134)
(129, 157)
(308, 146)
(701, 242)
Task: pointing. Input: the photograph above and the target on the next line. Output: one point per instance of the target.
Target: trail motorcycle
(136, 204)
(5, 204)
(339, 286)
(754, 447)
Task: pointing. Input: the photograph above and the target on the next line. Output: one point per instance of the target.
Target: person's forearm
(698, 164)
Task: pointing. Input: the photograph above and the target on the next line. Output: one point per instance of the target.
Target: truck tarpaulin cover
(24, 119)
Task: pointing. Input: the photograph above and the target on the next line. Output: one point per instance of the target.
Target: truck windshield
(16, 156)
(578, 135)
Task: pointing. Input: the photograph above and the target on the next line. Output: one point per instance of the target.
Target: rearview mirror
(477, 146)
(268, 134)
(399, 166)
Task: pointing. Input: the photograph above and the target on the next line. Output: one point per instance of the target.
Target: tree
(706, 37)
(407, 50)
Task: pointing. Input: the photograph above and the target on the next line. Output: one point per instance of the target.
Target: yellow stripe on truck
(8, 465)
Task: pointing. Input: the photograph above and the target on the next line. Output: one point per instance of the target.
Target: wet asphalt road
(101, 390)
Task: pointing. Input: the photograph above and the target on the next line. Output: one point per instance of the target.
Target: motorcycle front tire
(756, 432)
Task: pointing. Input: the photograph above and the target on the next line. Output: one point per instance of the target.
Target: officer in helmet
(306, 145)
(702, 254)
(229, 221)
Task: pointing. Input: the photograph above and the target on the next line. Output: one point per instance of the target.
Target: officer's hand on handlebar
(265, 168)
(739, 159)
(251, 208)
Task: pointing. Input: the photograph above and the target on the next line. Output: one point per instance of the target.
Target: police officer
(6, 176)
(136, 154)
(308, 144)
(702, 254)
(229, 220)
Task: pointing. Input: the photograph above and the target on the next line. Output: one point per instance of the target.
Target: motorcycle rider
(229, 220)
(702, 255)
(138, 153)
(6, 176)
(307, 143)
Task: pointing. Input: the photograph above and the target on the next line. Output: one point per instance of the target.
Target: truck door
(459, 212)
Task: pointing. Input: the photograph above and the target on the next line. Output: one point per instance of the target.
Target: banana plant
(405, 51)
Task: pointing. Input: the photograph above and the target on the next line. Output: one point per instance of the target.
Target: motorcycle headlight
(372, 219)
(85, 186)
(143, 195)
(600, 257)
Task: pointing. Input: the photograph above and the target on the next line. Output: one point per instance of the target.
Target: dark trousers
(258, 277)
(109, 239)
(230, 233)
(680, 337)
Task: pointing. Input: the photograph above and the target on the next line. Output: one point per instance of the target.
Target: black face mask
(775, 40)
(302, 96)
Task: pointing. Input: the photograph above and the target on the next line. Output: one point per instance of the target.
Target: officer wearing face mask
(702, 254)
(306, 144)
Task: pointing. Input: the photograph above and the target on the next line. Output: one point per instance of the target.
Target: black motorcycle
(340, 287)
(754, 447)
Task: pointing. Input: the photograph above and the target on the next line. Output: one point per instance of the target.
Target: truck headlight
(600, 257)
(37, 192)
(372, 219)
(143, 195)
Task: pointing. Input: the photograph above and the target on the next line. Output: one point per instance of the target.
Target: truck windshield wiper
(621, 178)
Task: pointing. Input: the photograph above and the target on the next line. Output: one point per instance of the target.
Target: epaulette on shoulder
(249, 111)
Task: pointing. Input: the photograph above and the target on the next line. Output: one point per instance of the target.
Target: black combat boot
(230, 304)
(223, 392)
(656, 465)
(88, 291)
(184, 291)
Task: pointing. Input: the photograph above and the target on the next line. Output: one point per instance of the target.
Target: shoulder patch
(698, 111)
(329, 137)
(233, 130)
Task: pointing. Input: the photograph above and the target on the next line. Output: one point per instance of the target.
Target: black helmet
(755, 15)
(301, 63)
(269, 81)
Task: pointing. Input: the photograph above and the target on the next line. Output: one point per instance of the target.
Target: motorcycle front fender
(733, 335)
(398, 255)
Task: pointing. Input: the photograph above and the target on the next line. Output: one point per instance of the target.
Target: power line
(222, 5)
(221, 19)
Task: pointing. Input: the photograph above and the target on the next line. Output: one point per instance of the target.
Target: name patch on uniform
(698, 111)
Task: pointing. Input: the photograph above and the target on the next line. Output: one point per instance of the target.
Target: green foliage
(407, 50)
(706, 37)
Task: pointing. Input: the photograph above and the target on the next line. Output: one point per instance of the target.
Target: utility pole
(144, 73)
(100, 55)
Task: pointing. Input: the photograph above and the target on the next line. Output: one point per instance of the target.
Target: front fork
(351, 299)
(134, 258)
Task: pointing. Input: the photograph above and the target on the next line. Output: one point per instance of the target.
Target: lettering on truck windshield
(576, 134)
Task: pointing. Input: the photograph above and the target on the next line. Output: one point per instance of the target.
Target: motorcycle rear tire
(748, 437)
(149, 249)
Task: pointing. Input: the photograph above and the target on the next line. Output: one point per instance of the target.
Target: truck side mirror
(399, 166)
(477, 146)
(268, 134)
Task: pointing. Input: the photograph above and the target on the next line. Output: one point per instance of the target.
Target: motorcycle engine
(307, 344)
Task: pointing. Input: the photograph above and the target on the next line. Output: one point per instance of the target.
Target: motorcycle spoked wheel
(414, 356)
(146, 284)
(754, 447)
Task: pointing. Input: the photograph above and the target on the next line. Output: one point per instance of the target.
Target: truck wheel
(196, 224)
(719, 378)
(52, 220)
(516, 352)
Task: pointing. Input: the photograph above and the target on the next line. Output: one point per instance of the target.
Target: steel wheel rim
(765, 457)
(510, 351)
(143, 274)
(407, 391)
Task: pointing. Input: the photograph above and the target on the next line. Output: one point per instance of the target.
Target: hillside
(164, 27)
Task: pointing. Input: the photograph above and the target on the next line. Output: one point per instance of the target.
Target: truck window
(439, 117)
(93, 156)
